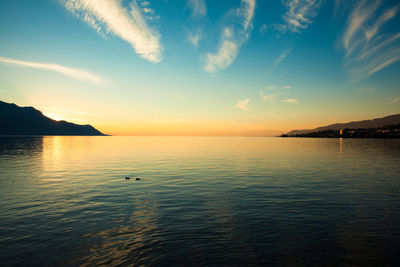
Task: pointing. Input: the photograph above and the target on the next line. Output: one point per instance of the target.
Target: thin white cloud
(232, 38)
(199, 11)
(299, 15)
(149, 13)
(386, 16)
(372, 50)
(395, 100)
(194, 38)
(126, 22)
(386, 63)
(282, 57)
(198, 7)
(74, 73)
(242, 104)
(271, 97)
(274, 87)
(357, 18)
(223, 58)
(368, 49)
(148, 10)
(274, 93)
(291, 100)
(246, 13)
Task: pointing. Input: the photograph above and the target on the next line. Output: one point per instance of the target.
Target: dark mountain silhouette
(365, 124)
(15, 120)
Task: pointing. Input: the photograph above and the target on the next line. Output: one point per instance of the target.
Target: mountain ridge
(363, 124)
(16, 120)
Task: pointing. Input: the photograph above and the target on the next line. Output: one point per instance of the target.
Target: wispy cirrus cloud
(149, 13)
(269, 97)
(242, 104)
(395, 100)
(282, 56)
(194, 38)
(199, 11)
(232, 38)
(299, 15)
(226, 53)
(274, 87)
(274, 92)
(128, 23)
(198, 7)
(74, 73)
(367, 48)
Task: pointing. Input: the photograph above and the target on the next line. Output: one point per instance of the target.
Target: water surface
(200, 201)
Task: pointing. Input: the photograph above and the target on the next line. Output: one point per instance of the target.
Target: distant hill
(365, 124)
(15, 120)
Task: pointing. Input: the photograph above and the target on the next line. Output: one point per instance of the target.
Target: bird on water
(137, 178)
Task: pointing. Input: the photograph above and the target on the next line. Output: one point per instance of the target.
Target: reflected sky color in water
(65, 200)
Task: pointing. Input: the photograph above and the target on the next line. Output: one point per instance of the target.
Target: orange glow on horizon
(196, 128)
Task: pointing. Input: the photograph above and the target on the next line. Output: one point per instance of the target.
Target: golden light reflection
(60, 153)
(126, 240)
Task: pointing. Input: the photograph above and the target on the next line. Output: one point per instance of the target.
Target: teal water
(200, 201)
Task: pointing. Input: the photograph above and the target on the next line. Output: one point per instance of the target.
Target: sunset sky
(195, 67)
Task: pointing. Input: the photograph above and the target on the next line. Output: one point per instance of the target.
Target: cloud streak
(275, 92)
(271, 97)
(395, 100)
(282, 57)
(291, 100)
(232, 38)
(127, 23)
(199, 11)
(367, 49)
(198, 7)
(299, 15)
(74, 73)
(194, 39)
(242, 104)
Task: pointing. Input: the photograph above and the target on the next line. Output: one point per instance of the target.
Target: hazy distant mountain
(15, 120)
(366, 124)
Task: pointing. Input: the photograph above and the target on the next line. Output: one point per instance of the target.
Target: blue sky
(202, 67)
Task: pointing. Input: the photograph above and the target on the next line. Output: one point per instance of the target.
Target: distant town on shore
(386, 127)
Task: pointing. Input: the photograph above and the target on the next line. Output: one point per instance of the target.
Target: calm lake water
(200, 201)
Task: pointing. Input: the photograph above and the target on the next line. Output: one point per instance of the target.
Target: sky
(198, 67)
